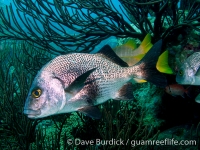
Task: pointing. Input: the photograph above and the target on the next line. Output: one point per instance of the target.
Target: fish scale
(66, 66)
(189, 71)
(106, 73)
(194, 61)
(80, 81)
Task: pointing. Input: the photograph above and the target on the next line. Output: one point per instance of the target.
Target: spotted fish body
(79, 81)
(189, 71)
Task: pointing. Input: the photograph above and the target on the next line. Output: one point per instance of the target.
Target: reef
(77, 25)
(34, 32)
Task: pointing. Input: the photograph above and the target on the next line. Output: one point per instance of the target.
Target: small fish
(129, 52)
(176, 90)
(189, 73)
(80, 81)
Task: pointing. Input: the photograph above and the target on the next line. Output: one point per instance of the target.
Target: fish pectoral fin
(91, 111)
(126, 92)
(78, 83)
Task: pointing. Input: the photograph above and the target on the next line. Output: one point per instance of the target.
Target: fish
(131, 54)
(176, 90)
(79, 82)
(189, 72)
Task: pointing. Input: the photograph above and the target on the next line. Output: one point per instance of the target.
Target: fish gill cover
(34, 32)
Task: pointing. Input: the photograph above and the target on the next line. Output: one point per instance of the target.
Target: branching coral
(17, 131)
(75, 25)
(170, 19)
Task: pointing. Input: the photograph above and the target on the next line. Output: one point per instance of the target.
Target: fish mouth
(32, 113)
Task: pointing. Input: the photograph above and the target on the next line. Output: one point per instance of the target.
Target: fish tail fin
(146, 44)
(189, 91)
(147, 66)
(162, 64)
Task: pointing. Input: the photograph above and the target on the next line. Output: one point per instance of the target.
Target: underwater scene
(99, 75)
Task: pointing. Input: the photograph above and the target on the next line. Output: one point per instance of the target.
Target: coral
(185, 133)
(17, 131)
(62, 27)
(65, 27)
(180, 52)
(148, 98)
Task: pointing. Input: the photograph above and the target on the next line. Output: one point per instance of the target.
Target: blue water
(112, 41)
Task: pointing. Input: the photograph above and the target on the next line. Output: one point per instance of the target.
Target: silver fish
(80, 81)
(189, 72)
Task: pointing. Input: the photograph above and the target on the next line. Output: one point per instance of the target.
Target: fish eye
(36, 93)
(181, 72)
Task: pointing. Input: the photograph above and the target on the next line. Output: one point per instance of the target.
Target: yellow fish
(131, 54)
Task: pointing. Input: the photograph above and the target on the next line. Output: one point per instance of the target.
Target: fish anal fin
(125, 92)
(108, 53)
(91, 111)
(162, 64)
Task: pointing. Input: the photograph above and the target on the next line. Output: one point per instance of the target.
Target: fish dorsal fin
(108, 53)
(78, 83)
(162, 64)
(125, 49)
(146, 44)
(131, 43)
